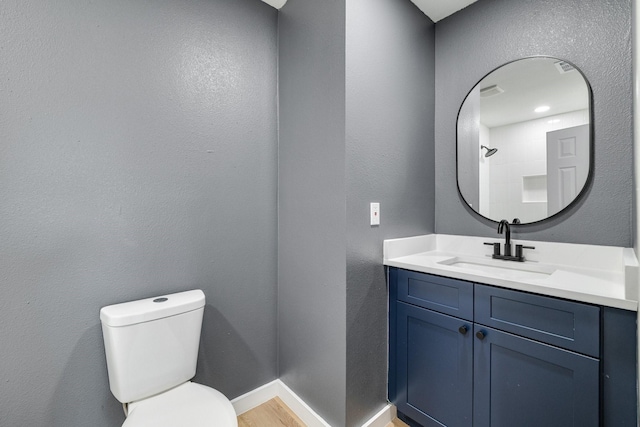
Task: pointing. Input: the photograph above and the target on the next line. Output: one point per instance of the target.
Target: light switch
(375, 213)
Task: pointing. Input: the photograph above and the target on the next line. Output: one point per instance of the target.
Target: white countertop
(602, 275)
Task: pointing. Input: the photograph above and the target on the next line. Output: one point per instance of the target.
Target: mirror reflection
(524, 140)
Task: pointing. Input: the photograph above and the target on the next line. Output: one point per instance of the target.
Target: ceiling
(434, 9)
(440, 9)
(530, 83)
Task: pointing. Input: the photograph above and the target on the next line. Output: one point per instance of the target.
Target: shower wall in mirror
(524, 140)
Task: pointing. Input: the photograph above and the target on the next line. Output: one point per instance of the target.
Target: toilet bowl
(152, 348)
(189, 404)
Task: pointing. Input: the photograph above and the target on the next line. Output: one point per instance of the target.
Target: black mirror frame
(587, 183)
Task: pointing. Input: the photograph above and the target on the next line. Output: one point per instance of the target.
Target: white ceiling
(434, 9)
(275, 3)
(440, 9)
(528, 84)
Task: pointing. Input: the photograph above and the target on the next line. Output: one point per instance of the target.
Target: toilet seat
(187, 405)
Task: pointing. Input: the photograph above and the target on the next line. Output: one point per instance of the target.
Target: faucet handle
(496, 247)
(519, 249)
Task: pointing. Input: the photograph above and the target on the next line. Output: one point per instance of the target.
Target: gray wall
(311, 204)
(389, 149)
(334, 159)
(636, 128)
(593, 34)
(138, 145)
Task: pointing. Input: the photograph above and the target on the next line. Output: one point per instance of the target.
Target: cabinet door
(524, 383)
(434, 367)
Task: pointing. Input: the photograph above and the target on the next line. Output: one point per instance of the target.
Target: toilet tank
(152, 344)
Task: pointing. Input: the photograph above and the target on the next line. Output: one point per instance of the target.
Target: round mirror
(524, 150)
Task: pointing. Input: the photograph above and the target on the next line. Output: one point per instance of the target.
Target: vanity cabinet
(468, 354)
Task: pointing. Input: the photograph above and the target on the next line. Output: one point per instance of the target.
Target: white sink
(505, 269)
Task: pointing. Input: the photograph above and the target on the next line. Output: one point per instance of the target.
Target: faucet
(504, 225)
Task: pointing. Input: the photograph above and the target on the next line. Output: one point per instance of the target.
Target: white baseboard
(382, 418)
(262, 394)
(255, 398)
(301, 409)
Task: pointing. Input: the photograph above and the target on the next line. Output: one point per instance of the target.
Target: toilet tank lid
(145, 310)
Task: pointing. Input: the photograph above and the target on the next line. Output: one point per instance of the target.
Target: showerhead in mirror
(490, 151)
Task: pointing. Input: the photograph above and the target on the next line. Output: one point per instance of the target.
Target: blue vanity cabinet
(466, 354)
(525, 383)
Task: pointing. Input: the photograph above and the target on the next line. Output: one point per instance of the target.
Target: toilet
(152, 350)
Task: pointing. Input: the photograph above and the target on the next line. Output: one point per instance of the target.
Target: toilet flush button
(161, 299)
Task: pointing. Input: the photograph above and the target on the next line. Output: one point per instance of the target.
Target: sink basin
(505, 269)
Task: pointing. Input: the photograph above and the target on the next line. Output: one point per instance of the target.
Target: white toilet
(152, 351)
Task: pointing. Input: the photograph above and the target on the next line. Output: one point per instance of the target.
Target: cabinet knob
(463, 329)
(480, 335)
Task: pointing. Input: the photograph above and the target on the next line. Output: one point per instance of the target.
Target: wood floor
(275, 413)
(396, 423)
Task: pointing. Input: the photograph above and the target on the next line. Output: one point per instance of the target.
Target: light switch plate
(375, 213)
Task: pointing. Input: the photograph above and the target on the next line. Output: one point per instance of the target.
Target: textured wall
(593, 34)
(311, 204)
(138, 145)
(332, 292)
(389, 147)
(636, 132)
